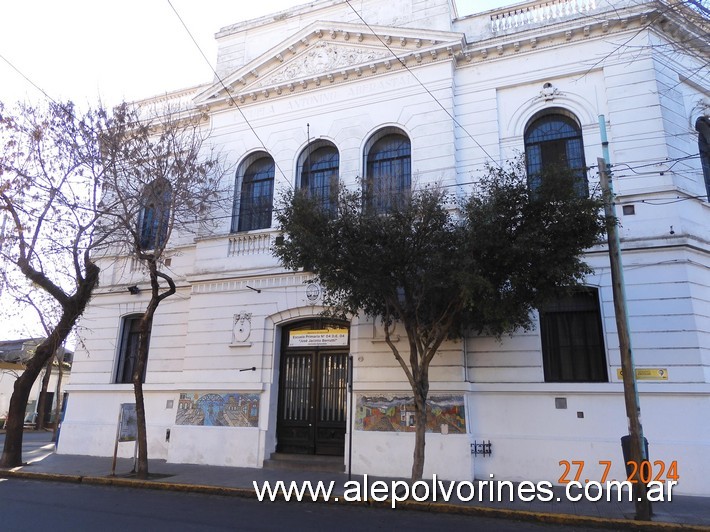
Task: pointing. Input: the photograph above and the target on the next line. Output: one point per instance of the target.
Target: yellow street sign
(647, 374)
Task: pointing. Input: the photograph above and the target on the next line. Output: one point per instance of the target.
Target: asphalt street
(29, 505)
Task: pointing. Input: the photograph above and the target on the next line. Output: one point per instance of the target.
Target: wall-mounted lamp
(134, 290)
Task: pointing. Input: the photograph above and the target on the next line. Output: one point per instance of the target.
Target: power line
(677, 199)
(404, 64)
(26, 78)
(226, 89)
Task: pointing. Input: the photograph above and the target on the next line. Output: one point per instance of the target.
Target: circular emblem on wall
(241, 328)
(312, 292)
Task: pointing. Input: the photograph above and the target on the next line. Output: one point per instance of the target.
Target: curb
(444, 508)
(545, 517)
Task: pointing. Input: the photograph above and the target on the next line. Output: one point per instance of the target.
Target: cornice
(329, 53)
(208, 283)
(574, 30)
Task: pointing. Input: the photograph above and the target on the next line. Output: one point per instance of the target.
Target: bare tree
(162, 178)
(50, 179)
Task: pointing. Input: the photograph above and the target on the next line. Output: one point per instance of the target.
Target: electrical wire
(226, 89)
(404, 64)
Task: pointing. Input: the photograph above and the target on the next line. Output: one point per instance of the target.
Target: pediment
(327, 52)
(323, 58)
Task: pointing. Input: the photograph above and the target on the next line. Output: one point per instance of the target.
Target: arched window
(128, 349)
(702, 126)
(257, 193)
(319, 173)
(388, 170)
(154, 217)
(554, 141)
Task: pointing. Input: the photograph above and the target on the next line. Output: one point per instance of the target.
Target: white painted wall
(649, 100)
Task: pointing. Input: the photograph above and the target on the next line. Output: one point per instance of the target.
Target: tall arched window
(128, 349)
(319, 173)
(388, 177)
(554, 141)
(154, 217)
(257, 193)
(702, 126)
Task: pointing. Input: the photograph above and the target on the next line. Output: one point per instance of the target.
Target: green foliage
(442, 267)
(523, 246)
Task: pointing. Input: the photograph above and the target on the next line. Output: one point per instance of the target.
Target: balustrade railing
(544, 12)
(249, 244)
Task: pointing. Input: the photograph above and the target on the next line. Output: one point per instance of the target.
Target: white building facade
(342, 89)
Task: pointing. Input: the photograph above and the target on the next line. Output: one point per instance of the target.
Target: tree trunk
(138, 372)
(71, 310)
(42, 404)
(14, 425)
(145, 327)
(420, 418)
(142, 435)
(58, 402)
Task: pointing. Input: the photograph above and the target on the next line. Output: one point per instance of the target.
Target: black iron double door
(312, 401)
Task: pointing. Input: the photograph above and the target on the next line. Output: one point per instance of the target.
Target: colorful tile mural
(395, 413)
(218, 409)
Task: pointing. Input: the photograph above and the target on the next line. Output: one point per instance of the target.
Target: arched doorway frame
(274, 329)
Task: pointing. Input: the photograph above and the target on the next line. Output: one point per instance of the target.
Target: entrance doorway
(313, 389)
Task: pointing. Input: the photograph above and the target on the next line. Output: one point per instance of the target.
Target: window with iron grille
(388, 179)
(554, 141)
(319, 175)
(128, 349)
(572, 338)
(702, 126)
(256, 197)
(154, 216)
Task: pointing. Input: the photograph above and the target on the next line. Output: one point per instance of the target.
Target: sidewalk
(682, 513)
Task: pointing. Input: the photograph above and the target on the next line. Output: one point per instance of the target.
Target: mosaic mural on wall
(212, 409)
(395, 413)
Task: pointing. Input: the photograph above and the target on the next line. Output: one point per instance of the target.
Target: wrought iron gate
(312, 402)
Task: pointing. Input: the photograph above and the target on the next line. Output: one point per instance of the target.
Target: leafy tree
(49, 190)
(441, 268)
(161, 179)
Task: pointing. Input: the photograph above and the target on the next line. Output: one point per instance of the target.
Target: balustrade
(249, 244)
(541, 13)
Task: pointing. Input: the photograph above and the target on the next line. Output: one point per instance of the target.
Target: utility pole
(631, 398)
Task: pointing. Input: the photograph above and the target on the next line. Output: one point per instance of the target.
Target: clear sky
(122, 49)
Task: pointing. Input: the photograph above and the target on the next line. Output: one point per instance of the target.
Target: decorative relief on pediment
(321, 58)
